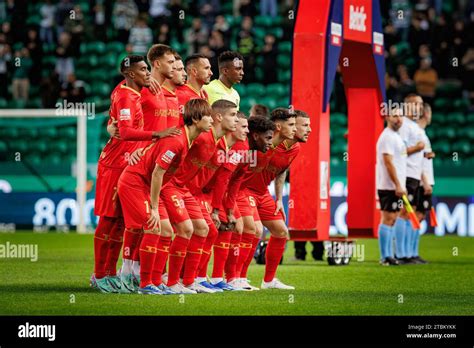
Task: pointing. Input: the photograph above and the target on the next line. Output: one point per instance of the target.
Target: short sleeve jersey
(411, 133)
(392, 144)
(168, 153)
(199, 154)
(126, 109)
(217, 90)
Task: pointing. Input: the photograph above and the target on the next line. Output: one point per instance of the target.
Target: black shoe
(401, 261)
(389, 261)
(419, 260)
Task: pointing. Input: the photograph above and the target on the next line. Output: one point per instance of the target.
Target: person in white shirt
(391, 174)
(412, 135)
(424, 203)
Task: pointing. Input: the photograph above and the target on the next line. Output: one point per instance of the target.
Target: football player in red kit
(183, 209)
(126, 110)
(140, 185)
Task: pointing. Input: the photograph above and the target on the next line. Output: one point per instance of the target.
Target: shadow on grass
(27, 288)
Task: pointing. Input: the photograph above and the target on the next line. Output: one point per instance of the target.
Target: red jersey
(174, 118)
(206, 173)
(269, 166)
(235, 162)
(186, 93)
(200, 153)
(126, 109)
(168, 153)
(155, 110)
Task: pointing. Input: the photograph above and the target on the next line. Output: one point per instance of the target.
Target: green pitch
(58, 284)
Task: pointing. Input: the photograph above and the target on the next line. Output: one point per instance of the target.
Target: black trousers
(317, 253)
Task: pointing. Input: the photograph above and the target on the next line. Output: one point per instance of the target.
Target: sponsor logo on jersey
(125, 114)
(168, 156)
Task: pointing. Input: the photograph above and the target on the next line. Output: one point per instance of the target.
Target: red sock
(136, 250)
(231, 264)
(115, 245)
(221, 251)
(207, 250)
(273, 254)
(245, 248)
(101, 245)
(193, 257)
(243, 272)
(176, 258)
(131, 238)
(160, 259)
(147, 257)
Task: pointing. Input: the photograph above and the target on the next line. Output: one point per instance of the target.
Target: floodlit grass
(58, 284)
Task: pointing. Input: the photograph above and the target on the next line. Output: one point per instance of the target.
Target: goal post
(81, 154)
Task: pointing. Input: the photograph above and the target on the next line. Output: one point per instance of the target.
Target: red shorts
(106, 197)
(180, 204)
(264, 206)
(223, 213)
(205, 200)
(247, 205)
(136, 205)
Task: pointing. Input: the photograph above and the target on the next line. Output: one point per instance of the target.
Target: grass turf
(58, 284)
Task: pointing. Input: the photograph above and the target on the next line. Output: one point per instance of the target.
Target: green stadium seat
(16, 104)
(9, 132)
(69, 132)
(442, 104)
(19, 145)
(93, 61)
(53, 159)
(262, 21)
(255, 90)
(101, 89)
(34, 159)
(338, 119)
(461, 104)
(97, 47)
(284, 75)
(62, 145)
(41, 145)
(448, 90)
(456, 118)
(49, 61)
(284, 47)
(259, 73)
(47, 133)
(443, 147)
(284, 61)
(3, 103)
(227, 7)
(3, 147)
(450, 132)
(284, 101)
(116, 47)
(277, 32)
(259, 33)
(463, 147)
(28, 132)
(34, 103)
(277, 90)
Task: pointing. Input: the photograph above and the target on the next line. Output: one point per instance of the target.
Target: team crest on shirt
(125, 114)
(168, 156)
